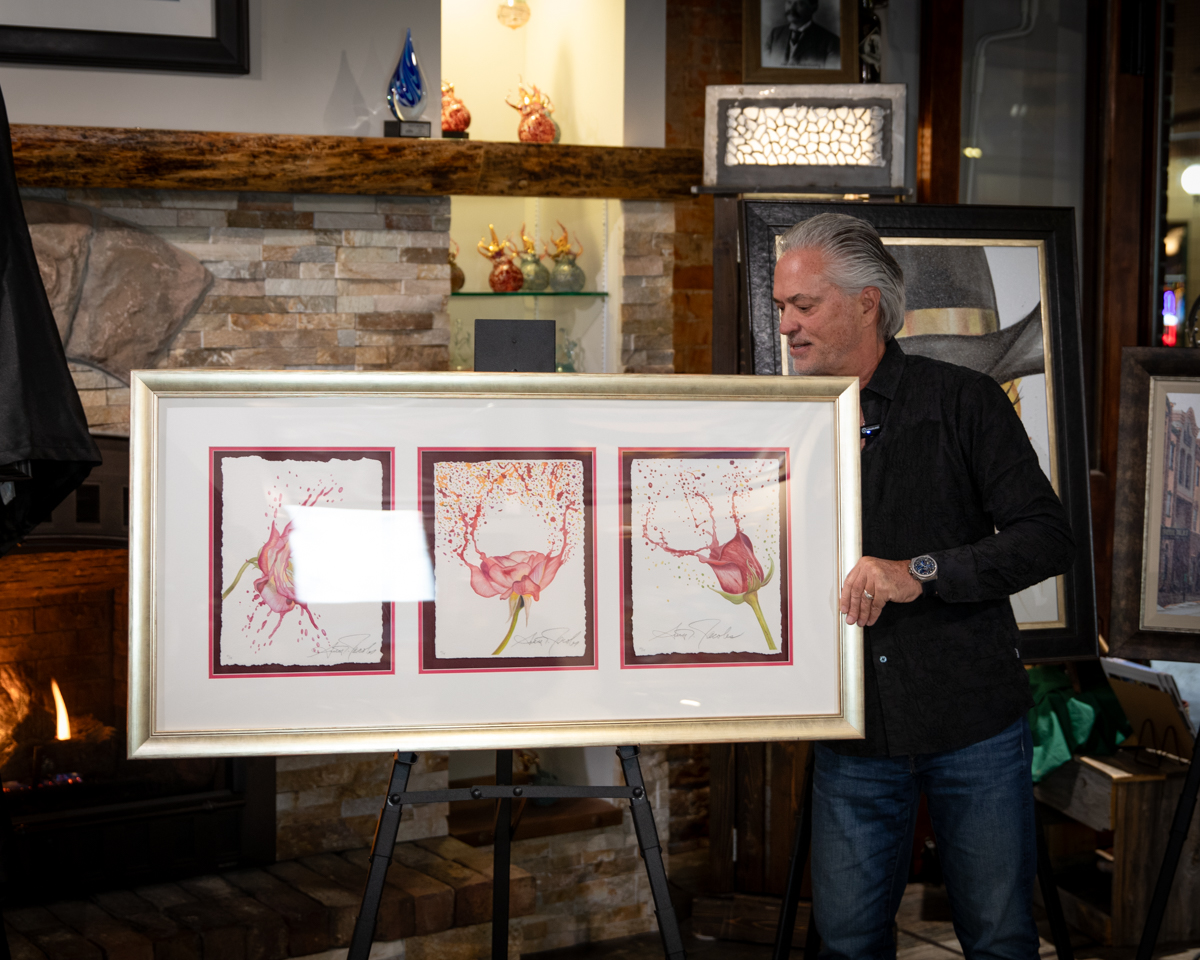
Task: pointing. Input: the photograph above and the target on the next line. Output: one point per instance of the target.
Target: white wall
(573, 51)
(316, 67)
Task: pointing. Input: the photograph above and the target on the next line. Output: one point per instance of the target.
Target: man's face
(825, 327)
(799, 12)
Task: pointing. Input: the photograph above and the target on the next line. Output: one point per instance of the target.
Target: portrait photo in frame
(800, 41)
(993, 289)
(528, 540)
(1155, 612)
(184, 36)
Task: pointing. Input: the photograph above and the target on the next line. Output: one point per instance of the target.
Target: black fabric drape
(41, 419)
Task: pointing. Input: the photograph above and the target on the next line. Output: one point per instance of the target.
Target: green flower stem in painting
(752, 599)
(248, 563)
(516, 610)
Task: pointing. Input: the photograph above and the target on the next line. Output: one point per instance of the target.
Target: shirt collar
(886, 378)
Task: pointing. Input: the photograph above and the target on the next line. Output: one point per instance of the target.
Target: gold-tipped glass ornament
(514, 14)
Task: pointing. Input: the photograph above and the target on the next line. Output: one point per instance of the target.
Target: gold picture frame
(756, 36)
(183, 421)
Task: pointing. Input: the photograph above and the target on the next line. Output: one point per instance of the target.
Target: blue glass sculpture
(406, 92)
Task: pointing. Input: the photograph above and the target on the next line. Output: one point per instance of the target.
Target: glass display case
(587, 327)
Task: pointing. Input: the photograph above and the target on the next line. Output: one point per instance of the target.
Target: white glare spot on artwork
(804, 136)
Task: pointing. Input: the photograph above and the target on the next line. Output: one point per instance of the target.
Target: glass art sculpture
(457, 277)
(506, 276)
(537, 277)
(407, 91)
(455, 115)
(535, 108)
(514, 14)
(567, 276)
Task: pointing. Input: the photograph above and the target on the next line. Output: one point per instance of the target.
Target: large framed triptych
(991, 288)
(326, 561)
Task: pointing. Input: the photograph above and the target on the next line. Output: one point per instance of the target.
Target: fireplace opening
(78, 814)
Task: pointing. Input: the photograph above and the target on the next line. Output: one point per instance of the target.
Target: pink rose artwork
(734, 563)
(546, 496)
(275, 588)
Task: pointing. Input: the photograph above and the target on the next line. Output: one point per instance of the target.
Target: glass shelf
(540, 293)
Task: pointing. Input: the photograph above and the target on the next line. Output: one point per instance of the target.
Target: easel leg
(801, 844)
(1166, 876)
(381, 857)
(1050, 897)
(647, 834)
(501, 858)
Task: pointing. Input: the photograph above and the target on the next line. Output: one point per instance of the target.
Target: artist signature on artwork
(556, 641)
(343, 648)
(698, 632)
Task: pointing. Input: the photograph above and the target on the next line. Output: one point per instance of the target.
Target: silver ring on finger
(869, 596)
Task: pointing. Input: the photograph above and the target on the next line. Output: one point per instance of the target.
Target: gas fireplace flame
(63, 731)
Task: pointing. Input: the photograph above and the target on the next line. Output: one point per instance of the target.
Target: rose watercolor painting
(512, 544)
(259, 625)
(705, 557)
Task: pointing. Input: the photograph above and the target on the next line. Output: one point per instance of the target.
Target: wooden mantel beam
(99, 157)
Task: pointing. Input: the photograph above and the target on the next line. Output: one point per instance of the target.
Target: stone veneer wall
(647, 324)
(592, 885)
(360, 283)
(301, 282)
(327, 803)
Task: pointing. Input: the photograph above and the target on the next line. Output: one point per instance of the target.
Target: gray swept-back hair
(856, 258)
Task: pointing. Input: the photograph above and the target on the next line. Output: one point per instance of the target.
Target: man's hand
(888, 581)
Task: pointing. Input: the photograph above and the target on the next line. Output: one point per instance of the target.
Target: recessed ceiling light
(1190, 179)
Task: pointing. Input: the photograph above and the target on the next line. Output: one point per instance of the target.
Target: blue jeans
(981, 802)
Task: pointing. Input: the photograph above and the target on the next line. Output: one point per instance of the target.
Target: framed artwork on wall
(188, 36)
(991, 288)
(800, 41)
(1156, 536)
(324, 562)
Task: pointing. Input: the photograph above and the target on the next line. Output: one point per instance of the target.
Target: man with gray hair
(957, 516)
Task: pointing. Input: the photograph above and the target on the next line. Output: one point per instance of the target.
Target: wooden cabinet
(1107, 894)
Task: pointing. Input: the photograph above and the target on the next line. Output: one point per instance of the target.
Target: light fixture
(973, 152)
(1190, 179)
(514, 14)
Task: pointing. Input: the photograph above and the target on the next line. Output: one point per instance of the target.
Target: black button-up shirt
(951, 473)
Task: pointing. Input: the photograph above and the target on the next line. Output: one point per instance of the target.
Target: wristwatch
(924, 570)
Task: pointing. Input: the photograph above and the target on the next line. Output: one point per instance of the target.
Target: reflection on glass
(1023, 102)
(1179, 255)
(359, 556)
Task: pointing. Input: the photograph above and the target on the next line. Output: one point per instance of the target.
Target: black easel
(1166, 875)
(1054, 911)
(397, 796)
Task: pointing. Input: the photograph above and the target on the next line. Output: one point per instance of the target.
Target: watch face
(924, 567)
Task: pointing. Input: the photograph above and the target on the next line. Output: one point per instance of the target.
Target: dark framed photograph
(800, 41)
(1155, 610)
(991, 288)
(188, 36)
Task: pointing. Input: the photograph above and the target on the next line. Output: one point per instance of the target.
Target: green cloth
(1065, 723)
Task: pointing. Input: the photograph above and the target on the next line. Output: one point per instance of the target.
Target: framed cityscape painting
(993, 289)
(1156, 537)
(328, 562)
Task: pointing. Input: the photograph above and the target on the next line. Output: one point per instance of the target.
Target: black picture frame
(757, 339)
(1135, 481)
(754, 71)
(228, 51)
